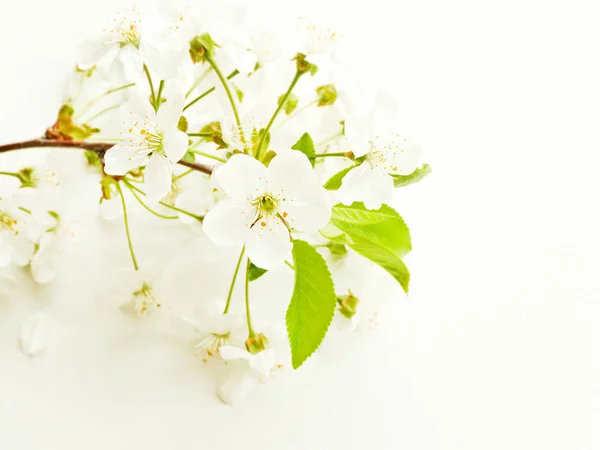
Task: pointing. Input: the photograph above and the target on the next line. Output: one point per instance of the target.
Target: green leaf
(305, 145)
(417, 175)
(335, 182)
(381, 236)
(313, 302)
(254, 272)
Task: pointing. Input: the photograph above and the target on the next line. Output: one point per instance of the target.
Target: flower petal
(307, 212)
(289, 172)
(228, 222)
(157, 177)
(175, 143)
(236, 386)
(230, 352)
(94, 51)
(119, 160)
(242, 177)
(269, 244)
(36, 334)
(263, 362)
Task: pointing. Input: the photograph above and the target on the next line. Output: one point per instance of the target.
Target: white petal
(242, 177)
(138, 104)
(119, 160)
(6, 251)
(184, 326)
(171, 110)
(405, 159)
(230, 352)
(228, 223)
(44, 262)
(307, 212)
(289, 172)
(365, 184)
(157, 177)
(358, 134)
(36, 334)
(175, 143)
(131, 61)
(241, 59)
(236, 386)
(23, 249)
(263, 362)
(91, 52)
(268, 244)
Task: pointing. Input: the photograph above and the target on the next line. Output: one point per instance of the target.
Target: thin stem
(98, 147)
(104, 111)
(289, 264)
(330, 138)
(95, 100)
(181, 175)
(296, 113)
(153, 94)
(166, 205)
(200, 134)
(146, 207)
(235, 274)
(228, 92)
(11, 174)
(325, 155)
(279, 107)
(135, 264)
(207, 155)
(208, 91)
(198, 81)
(251, 332)
(161, 86)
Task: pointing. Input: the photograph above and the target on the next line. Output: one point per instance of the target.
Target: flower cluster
(253, 137)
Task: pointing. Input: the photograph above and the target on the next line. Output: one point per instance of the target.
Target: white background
(496, 348)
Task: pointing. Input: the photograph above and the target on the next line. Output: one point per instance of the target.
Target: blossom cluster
(253, 135)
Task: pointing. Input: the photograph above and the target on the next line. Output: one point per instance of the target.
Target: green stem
(200, 134)
(153, 95)
(146, 207)
(166, 205)
(95, 100)
(289, 264)
(279, 107)
(251, 332)
(181, 175)
(325, 155)
(296, 113)
(104, 111)
(225, 84)
(161, 86)
(11, 174)
(135, 264)
(208, 91)
(330, 138)
(235, 274)
(207, 155)
(198, 81)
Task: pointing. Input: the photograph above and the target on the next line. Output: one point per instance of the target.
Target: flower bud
(27, 177)
(291, 102)
(347, 305)
(202, 46)
(327, 95)
(303, 66)
(256, 344)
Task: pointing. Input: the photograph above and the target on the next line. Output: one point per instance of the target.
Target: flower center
(213, 342)
(384, 156)
(145, 301)
(144, 136)
(125, 31)
(7, 222)
(266, 205)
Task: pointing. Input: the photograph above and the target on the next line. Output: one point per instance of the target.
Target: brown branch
(98, 147)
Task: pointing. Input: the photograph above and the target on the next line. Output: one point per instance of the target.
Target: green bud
(182, 125)
(303, 66)
(92, 158)
(66, 129)
(337, 249)
(347, 305)
(27, 177)
(290, 103)
(216, 134)
(257, 344)
(327, 95)
(202, 46)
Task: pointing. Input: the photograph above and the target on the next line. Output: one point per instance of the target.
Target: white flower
(316, 43)
(36, 334)
(210, 328)
(371, 182)
(157, 39)
(197, 197)
(8, 282)
(16, 243)
(243, 378)
(146, 132)
(265, 204)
